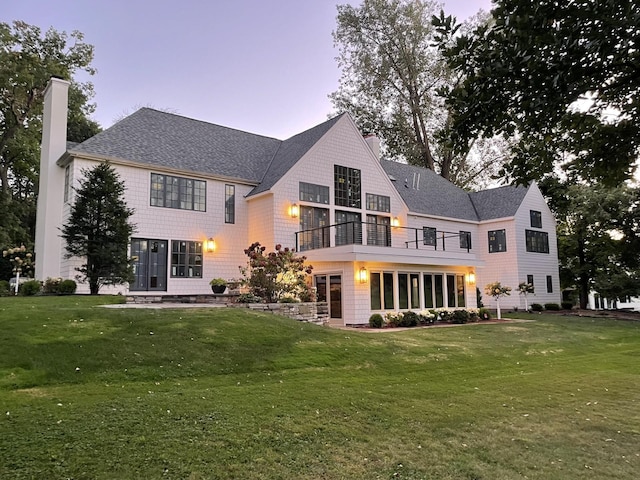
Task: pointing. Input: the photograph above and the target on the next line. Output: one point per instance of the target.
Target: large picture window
(229, 204)
(314, 226)
(347, 186)
(497, 241)
(381, 291)
(537, 242)
(186, 259)
(178, 192)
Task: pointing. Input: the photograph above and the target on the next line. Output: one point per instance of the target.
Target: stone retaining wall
(317, 313)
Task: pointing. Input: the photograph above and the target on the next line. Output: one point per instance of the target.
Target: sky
(262, 66)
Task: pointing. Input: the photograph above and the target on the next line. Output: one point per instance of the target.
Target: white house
(382, 236)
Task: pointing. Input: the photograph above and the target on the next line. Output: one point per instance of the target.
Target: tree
(497, 291)
(598, 238)
(392, 72)
(98, 229)
(275, 275)
(562, 77)
(28, 59)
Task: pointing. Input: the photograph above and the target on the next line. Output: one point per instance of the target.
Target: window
(549, 284)
(439, 290)
(177, 192)
(530, 279)
(314, 226)
(428, 290)
(429, 236)
(347, 186)
(537, 242)
(229, 204)
(378, 230)
(465, 240)
(310, 192)
(536, 218)
(66, 183)
(379, 203)
(461, 302)
(348, 228)
(497, 241)
(186, 259)
(381, 290)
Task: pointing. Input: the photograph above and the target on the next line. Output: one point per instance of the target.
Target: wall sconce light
(210, 245)
(395, 222)
(294, 211)
(471, 278)
(362, 275)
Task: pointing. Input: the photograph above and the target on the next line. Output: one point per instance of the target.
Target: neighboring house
(382, 236)
(596, 302)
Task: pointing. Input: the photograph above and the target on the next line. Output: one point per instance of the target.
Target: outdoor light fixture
(471, 278)
(210, 245)
(362, 275)
(395, 222)
(294, 211)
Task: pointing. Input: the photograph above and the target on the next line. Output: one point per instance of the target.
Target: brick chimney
(51, 189)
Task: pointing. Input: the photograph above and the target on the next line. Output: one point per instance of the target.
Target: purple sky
(255, 65)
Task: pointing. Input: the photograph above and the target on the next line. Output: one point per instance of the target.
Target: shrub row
(427, 317)
(51, 286)
(536, 307)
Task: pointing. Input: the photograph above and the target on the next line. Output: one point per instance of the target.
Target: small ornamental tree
(497, 291)
(98, 229)
(525, 289)
(21, 262)
(278, 274)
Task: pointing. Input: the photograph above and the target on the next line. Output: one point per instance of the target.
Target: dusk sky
(261, 66)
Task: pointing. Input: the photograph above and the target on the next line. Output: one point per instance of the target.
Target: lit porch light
(210, 245)
(362, 275)
(294, 210)
(471, 278)
(395, 222)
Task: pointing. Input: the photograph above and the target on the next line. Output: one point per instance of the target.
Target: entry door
(150, 268)
(335, 296)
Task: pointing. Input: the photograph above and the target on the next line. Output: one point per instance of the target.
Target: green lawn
(93, 393)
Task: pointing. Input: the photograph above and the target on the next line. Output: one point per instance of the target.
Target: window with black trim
(537, 242)
(465, 240)
(186, 259)
(536, 218)
(530, 279)
(429, 236)
(229, 204)
(67, 175)
(378, 203)
(310, 192)
(347, 188)
(178, 192)
(378, 230)
(549, 284)
(497, 241)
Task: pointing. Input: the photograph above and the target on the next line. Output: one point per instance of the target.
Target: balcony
(379, 241)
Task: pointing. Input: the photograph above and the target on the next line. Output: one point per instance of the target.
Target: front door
(150, 265)
(333, 296)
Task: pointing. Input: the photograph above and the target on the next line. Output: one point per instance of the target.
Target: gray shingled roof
(156, 138)
(428, 193)
(498, 202)
(290, 152)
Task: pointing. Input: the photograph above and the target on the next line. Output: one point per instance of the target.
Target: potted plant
(218, 285)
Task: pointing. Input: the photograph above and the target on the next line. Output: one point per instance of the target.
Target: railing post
(443, 245)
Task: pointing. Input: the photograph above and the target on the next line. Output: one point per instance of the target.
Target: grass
(93, 393)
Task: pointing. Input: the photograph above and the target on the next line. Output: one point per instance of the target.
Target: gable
(498, 202)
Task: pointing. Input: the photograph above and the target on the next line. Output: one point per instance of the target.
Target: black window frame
(347, 186)
(535, 217)
(494, 237)
(465, 240)
(429, 236)
(186, 259)
(311, 192)
(537, 241)
(378, 203)
(229, 203)
(549, 284)
(181, 193)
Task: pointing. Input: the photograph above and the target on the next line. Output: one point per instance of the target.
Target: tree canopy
(28, 59)
(392, 72)
(98, 229)
(563, 78)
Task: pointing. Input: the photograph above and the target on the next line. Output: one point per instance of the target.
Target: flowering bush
(525, 288)
(496, 290)
(21, 260)
(276, 274)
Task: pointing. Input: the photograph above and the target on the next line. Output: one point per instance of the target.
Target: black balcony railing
(363, 233)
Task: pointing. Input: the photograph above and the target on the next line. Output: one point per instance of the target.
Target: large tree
(28, 59)
(563, 77)
(598, 238)
(98, 229)
(392, 72)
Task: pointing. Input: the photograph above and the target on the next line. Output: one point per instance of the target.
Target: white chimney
(374, 143)
(51, 189)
